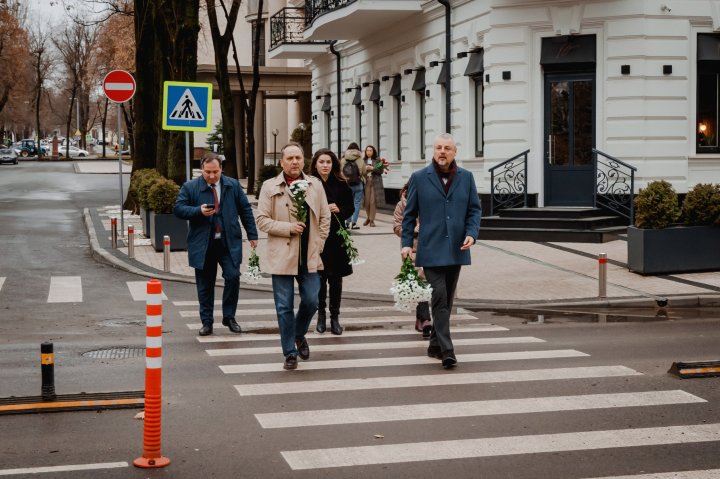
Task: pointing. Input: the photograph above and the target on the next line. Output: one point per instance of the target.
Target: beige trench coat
(274, 217)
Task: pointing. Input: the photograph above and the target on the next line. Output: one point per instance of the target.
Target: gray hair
(292, 143)
(445, 136)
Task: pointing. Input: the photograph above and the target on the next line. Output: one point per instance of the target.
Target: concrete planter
(679, 249)
(170, 225)
(145, 217)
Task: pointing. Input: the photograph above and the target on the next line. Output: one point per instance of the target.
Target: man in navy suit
(445, 199)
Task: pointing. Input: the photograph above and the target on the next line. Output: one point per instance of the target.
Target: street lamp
(275, 132)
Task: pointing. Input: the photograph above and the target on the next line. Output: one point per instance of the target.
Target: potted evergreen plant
(140, 183)
(161, 198)
(657, 244)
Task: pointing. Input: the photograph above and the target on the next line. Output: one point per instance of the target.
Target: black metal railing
(614, 185)
(287, 26)
(316, 8)
(508, 186)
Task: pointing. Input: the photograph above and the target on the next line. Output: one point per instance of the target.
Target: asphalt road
(568, 397)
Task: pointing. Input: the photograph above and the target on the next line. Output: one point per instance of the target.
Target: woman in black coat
(326, 166)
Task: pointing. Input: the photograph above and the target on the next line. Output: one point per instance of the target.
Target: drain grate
(115, 353)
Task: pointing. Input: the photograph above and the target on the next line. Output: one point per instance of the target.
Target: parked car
(27, 148)
(73, 151)
(123, 154)
(8, 155)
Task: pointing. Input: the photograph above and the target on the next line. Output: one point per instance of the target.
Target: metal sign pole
(187, 156)
(122, 218)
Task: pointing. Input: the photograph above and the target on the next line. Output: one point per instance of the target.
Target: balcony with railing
(354, 19)
(287, 36)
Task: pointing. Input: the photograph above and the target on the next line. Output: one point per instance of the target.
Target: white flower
(298, 186)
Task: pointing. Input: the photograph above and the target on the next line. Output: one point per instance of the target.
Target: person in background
(294, 249)
(212, 203)
(336, 263)
(371, 156)
(444, 197)
(353, 169)
(423, 322)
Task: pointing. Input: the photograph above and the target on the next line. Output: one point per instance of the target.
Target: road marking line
(273, 312)
(74, 467)
(705, 474)
(443, 379)
(364, 320)
(138, 290)
(218, 302)
(499, 446)
(65, 289)
(389, 345)
(412, 412)
(2, 281)
(71, 404)
(312, 335)
(402, 361)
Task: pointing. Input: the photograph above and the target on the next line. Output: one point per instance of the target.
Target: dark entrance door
(569, 138)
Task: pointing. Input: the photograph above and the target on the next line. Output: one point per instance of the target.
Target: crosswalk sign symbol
(187, 106)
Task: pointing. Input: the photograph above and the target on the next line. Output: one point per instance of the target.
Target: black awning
(396, 89)
(419, 83)
(442, 78)
(569, 52)
(326, 103)
(375, 94)
(357, 99)
(475, 66)
(708, 52)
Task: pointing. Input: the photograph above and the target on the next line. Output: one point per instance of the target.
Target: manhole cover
(115, 353)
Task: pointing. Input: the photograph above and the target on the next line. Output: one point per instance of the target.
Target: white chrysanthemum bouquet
(409, 288)
(252, 275)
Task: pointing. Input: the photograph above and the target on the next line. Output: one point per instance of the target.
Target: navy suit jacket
(233, 203)
(445, 219)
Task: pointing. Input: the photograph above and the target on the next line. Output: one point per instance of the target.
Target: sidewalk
(504, 274)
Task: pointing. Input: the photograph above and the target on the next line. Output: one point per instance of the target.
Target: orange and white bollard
(153, 380)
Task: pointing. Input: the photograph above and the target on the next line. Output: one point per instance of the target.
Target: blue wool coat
(445, 220)
(233, 203)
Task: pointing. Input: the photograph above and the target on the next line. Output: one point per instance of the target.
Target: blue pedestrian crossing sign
(187, 106)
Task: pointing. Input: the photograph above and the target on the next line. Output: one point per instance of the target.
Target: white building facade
(634, 79)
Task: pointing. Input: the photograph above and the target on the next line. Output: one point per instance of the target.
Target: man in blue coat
(445, 199)
(212, 204)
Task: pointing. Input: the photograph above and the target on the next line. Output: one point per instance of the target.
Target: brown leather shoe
(290, 362)
(303, 348)
(367, 222)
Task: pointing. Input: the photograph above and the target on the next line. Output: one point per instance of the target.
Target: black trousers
(443, 280)
(335, 284)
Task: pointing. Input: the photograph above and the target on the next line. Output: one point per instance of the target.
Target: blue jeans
(205, 282)
(358, 194)
(293, 325)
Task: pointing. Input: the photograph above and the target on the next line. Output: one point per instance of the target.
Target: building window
(261, 52)
(358, 122)
(328, 129)
(478, 117)
(708, 93)
(398, 129)
(376, 113)
(421, 95)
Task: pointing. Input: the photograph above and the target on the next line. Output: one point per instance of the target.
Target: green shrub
(702, 205)
(266, 172)
(656, 206)
(162, 195)
(146, 180)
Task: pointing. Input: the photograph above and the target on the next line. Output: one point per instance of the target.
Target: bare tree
(42, 62)
(15, 71)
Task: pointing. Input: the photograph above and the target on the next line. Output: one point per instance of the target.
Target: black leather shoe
(335, 327)
(290, 362)
(303, 348)
(449, 360)
(427, 331)
(232, 325)
(205, 330)
(321, 324)
(434, 352)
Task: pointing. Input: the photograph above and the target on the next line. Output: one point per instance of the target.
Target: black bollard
(47, 361)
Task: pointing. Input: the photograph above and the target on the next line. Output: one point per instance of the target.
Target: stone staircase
(553, 224)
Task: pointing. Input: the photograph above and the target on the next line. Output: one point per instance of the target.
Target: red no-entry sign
(119, 86)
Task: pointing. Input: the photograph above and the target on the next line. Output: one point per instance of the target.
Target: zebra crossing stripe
(138, 290)
(65, 289)
(403, 361)
(218, 302)
(499, 446)
(313, 336)
(706, 474)
(419, 344)
(362, 320)
(74, 467)
(410, 412)
(443, 379)
(2, 281)
(245, 313)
